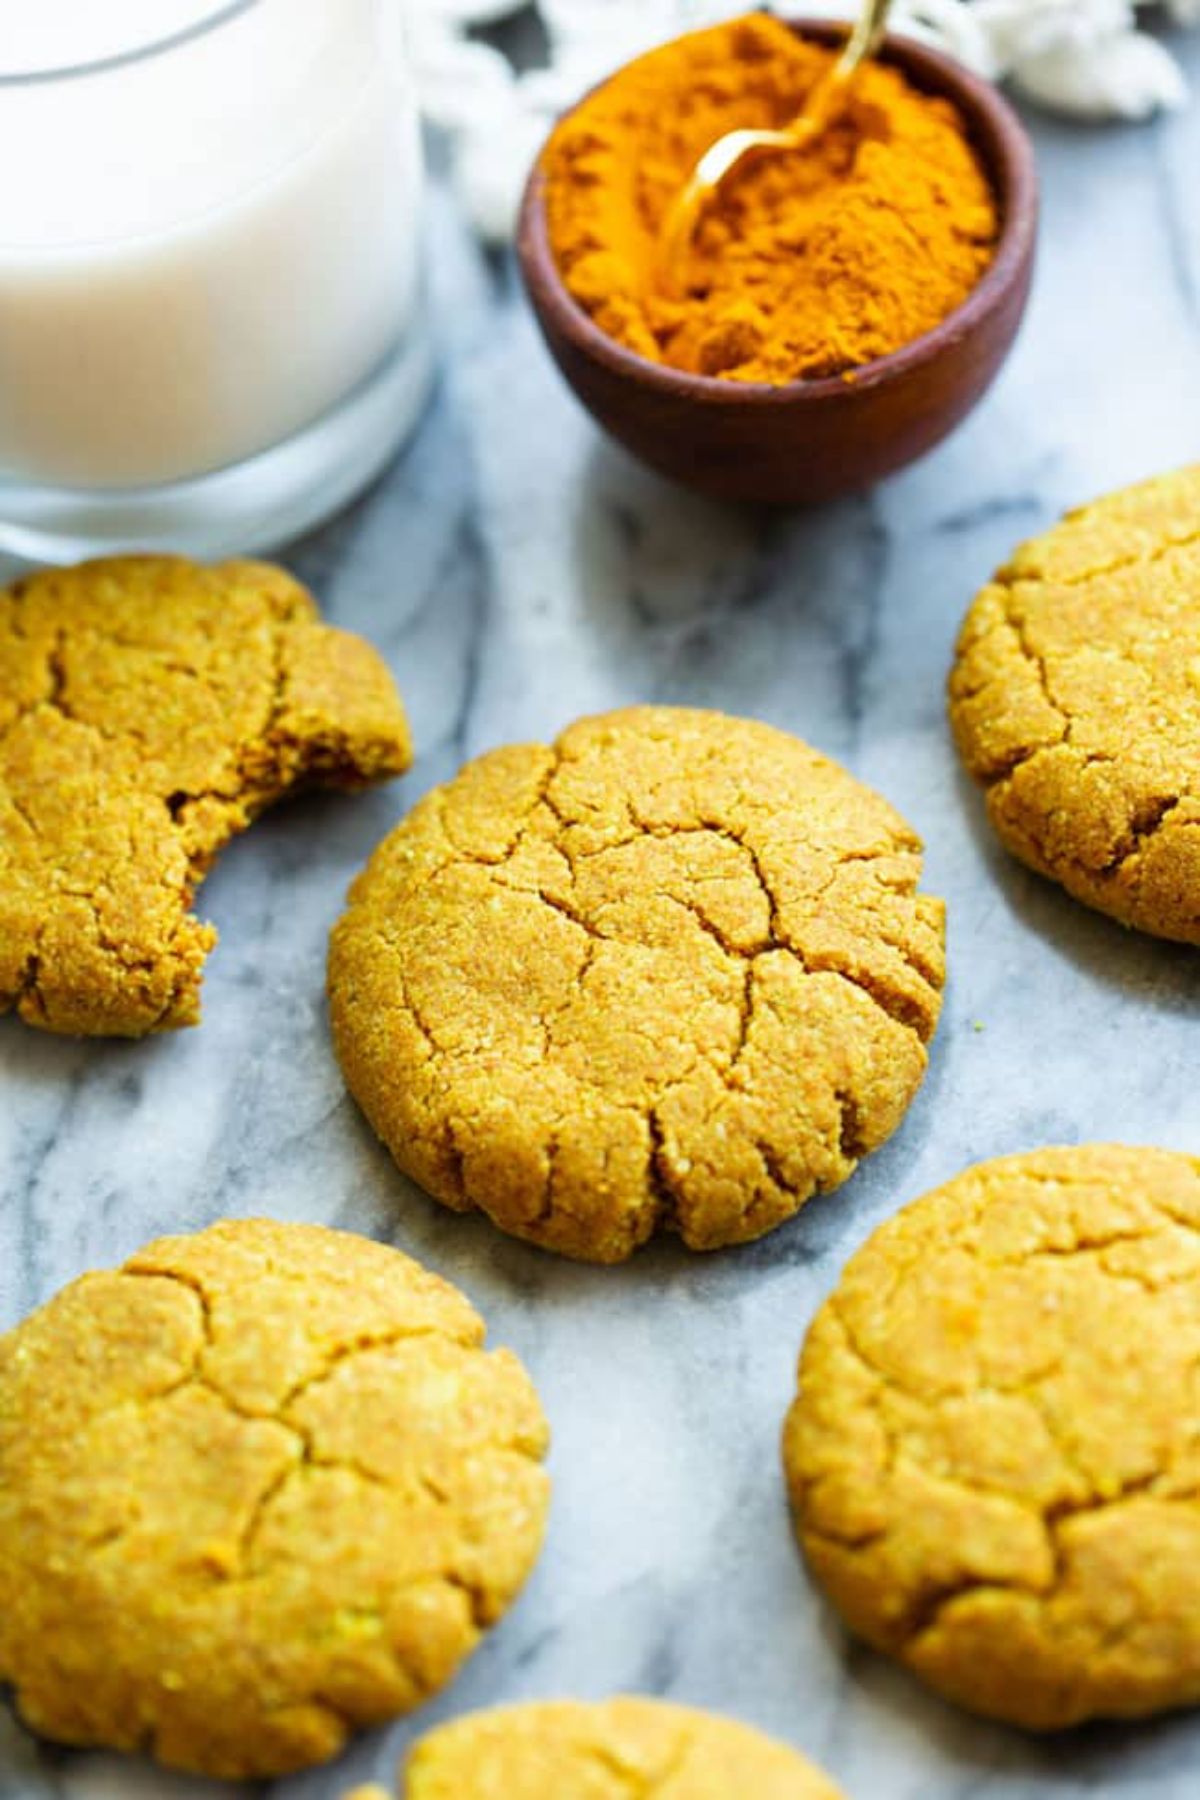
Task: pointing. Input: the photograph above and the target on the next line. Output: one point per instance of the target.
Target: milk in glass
(209, 231)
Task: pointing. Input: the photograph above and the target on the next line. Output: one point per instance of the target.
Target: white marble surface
(517, 572)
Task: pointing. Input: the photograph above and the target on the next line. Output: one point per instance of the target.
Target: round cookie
(258, 1488)
(1075, 701)
(671, 972)
(994, 1458)
(150, 709)
(603, 1750)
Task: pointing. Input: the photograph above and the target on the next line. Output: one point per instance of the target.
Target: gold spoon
(729, 152)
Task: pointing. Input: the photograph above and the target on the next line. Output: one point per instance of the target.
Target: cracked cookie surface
(259, 1488)
(994, 1457)
(150, 708)
(622, 1749)
(1075, 701)
(671, 972)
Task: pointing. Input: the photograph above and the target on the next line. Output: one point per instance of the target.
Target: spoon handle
(826, 99)
(866, 37)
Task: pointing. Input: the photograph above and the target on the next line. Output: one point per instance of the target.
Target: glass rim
(221, 15)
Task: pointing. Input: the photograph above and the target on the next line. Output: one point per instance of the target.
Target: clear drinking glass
(211, 322)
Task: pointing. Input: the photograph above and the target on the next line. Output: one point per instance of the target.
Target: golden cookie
(1075, 699)
(259, 1488)
(994, 1458)
(670, 973)
(624, 1749)
(150, 709)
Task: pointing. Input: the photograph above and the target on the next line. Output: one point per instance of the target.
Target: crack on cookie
(1116, 566)
(635, 1783)
(926, 969)
(776, 1173)
(455, 1160)
(927, 1612)
(413, 1011)
(1060, 1513)
(479, 1609)
(28, 991)
(602, 1759)
(666, 1772)
(853, 1140)
(720, 828)
(745, 1020)
(668, 1204)
(887, 1378)
(722, 941)
(898, 1007)
(560, 906)
(144, 1271)
(525, 823)
(22, 812)
(1018, 623)
(1000, 766)
(259, 1513)
(546, 1207)
(364, 1344)
(56, 671)
(1150, 816)
(269, 731)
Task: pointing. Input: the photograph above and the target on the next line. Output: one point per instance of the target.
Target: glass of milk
(211, 327)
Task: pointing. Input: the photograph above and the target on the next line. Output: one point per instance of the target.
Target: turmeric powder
(808, 263)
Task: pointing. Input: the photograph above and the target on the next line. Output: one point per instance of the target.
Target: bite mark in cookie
(149, 710)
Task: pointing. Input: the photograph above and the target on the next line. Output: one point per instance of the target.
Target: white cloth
(1084, 58)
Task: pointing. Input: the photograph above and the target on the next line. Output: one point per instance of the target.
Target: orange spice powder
(809, 263)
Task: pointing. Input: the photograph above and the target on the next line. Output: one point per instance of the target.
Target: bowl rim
(1011, 168)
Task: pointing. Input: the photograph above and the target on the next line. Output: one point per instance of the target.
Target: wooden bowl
(810, 440)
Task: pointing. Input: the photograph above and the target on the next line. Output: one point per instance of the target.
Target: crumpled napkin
(1086, 59)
